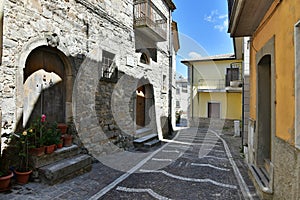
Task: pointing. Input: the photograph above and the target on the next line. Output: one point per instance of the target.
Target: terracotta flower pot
(5, 182)
(50, 149)
(68, 140)
(60, 145)
(63, 127)
(37, 151)
(22, 177)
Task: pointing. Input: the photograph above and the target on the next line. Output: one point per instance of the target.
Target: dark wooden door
(51, 101)
(213, 110)
(140, 111)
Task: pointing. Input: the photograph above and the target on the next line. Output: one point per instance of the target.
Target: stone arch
(62, 53)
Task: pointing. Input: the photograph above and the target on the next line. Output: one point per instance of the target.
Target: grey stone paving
(194, 166)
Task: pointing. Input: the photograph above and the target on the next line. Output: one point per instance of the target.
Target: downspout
(170, 117)
(192, 91)
(243, 109)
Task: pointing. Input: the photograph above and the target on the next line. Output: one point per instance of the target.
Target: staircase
(145, 138)
(62, 164)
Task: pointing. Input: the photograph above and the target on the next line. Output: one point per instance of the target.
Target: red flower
(43, 119)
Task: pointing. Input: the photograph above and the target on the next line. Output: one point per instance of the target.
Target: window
(144, 59)
(232, 74)
(108, 68)
(177, 104)
(177, 90)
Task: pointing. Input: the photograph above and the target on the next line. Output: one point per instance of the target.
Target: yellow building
(274, 124)
(216, 87)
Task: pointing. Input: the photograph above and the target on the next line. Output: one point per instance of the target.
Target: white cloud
(212, 16)
(223, 16)
(219, 20)
(222, 27)
(194, 55)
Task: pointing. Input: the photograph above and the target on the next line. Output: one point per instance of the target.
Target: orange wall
(281, 25)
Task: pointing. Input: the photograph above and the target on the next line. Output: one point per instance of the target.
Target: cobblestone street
(196, 164)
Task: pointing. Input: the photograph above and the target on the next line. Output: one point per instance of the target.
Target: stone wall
(286, 170)
(84, 28)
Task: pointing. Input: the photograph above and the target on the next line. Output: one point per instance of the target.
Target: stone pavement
(196, 164)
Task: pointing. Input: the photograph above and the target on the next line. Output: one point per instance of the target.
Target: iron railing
(147, 14)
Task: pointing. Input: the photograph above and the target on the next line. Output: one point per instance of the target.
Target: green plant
(22, 144)
(51, 134)
(38, 127)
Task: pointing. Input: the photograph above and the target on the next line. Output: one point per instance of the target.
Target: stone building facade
(90, 61)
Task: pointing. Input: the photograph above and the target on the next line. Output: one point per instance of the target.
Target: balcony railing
(219, 84)
(211, 84)
(147, 15)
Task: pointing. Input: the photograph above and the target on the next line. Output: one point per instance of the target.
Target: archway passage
(264, 111)
(44, 85)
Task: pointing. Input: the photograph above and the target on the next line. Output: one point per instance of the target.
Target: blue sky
(202, 27)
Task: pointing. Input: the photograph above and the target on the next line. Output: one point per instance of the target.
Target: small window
(177, 104)
(144, 59)
(184, 91)
(178, 91)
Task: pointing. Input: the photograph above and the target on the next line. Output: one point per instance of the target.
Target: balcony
(149, 21)
(219, 85)
(209, 85)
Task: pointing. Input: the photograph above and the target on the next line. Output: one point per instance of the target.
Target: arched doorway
(45, 85)
(264, 111)
(144, 105)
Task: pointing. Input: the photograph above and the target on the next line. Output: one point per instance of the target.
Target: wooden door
(51, 100)
(140, 107)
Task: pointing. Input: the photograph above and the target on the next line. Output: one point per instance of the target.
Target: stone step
(143, 132)
(65, 169)
(140, 141)
(58, 155)
(152, 143)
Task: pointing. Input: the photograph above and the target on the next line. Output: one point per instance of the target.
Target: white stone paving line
(245, 190)
(171, 151)
(206, 180)
(162, 159)
(211, 166)
(140, 190)
(189, 143)
(214, 157)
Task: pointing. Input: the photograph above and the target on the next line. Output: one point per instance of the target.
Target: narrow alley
(196, 164)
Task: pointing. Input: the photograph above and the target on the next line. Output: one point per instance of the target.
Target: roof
(171, 4)
(245, 16)
(211, 58)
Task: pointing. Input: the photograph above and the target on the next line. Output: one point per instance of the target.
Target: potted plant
(71, 131)
(36, 130)
(22, 145)
(51, 137)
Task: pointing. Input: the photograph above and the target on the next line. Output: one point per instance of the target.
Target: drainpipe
(243, 110)
(170, 117)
